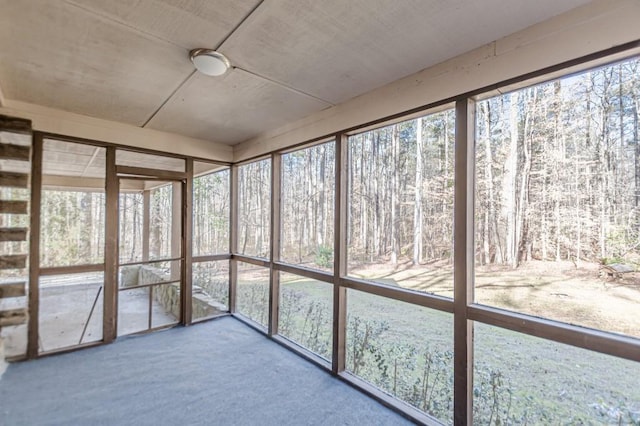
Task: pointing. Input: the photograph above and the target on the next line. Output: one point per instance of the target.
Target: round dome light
(210, 62)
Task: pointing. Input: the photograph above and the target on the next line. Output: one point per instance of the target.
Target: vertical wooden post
(338, 358)
(34, 245)
(177, 267)
(274, 275)
(177, 211)
(146, 223)
(463, 262)
(233, 239)
(110, 323)
(187, 232)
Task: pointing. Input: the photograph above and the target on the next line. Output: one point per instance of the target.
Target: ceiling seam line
(238, 25)
(171, 95)
(124, 24)
(93, 157)
(284, 86)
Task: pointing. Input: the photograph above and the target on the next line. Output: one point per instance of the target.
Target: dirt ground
(564, 291)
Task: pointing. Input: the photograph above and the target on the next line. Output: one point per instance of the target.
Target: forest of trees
(307, 204)
(72, 226)
(558, 170)
(254, 208)
(557, 178)
(211, 209)
(401, 192)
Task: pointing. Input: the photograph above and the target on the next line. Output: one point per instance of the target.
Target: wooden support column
(34, 245)
(463, 262)
(338, 358)
(233, 239)
(187, 234)
(110, 325)
(146, 223)
(176, 242)
(176, 227)
(274, 275)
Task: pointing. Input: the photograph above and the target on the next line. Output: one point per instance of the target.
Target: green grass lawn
(407, 351)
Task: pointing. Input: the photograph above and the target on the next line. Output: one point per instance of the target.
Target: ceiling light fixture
(209, 62)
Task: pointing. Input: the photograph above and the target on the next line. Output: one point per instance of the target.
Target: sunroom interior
(436, 203)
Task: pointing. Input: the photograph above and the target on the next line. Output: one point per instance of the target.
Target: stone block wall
(168, 295)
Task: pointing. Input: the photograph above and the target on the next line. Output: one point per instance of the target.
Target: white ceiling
(127, 60)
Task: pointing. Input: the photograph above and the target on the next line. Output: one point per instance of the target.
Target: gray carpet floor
(216, 373)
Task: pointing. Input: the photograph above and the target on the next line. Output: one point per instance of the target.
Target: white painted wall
(591, 28)
(66, 123)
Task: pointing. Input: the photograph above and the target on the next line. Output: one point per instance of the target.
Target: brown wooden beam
(13, 289)
(147, 262)
(431, 301)
(13, 317)
(10, 151)
(14, 180)
(258, 261)
(34, 245)
(187, 246)
(314, 274)
(72, 269)
(13, 124)
(211, 258)
(110, 319)
(404, 409)
(154, 173)
(147, 285)
(233, 239)
(146, 223)
(14, 207)
(274, 275)
(13, 261)
(595, 340)
(338, 357)
(463, 263)
(13, 234)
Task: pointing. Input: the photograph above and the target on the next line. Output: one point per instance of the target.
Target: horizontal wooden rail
(13, 234)
(210, 258)
(147, 262)
(14, 207)
(586, 338)
(413, 297)
(14, 261)
(14, 152)
(389, 401)
(13, 289)
(326, 277)
(303, 352)
(159, 283)
(72, 269)
(155, 173)
(258, 261)
(14, 180)
(13, 124)
(13, 317)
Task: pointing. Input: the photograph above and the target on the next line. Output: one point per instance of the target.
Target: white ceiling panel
(231, 108)
(187, 23)
(127, 60)
(336, 49)
(58, 55)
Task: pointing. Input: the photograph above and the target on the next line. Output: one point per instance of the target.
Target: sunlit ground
(575, 294)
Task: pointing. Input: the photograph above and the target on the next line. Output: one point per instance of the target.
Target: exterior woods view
(557, 171)
(556, 223)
